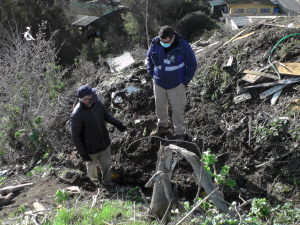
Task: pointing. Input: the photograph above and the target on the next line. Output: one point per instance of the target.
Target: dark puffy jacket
(176, 66)
(88, 128)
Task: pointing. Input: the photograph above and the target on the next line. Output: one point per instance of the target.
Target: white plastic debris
(120, 62)
(119, 100)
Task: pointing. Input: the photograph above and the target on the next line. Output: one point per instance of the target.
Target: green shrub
(194, 24)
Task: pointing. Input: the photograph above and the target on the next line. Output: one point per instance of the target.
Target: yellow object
(296, 108)
(296, 100)
(249, 9)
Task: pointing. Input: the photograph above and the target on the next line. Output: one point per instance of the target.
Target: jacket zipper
(99, 128)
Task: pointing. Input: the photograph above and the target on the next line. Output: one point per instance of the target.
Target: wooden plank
(271, 91)
(244, 36)
(263, 85)
(293, 69)
(13, 188)
(261, 74)
(229, 63)
(284, 81)
(275, 97)
(238, 34)
(202, 49)
(241, 98)
(251, 78)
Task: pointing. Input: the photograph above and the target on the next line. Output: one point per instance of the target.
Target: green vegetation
(267, 132)
(223, 176)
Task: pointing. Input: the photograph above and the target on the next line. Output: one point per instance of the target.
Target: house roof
(92, 8)
(240, 2)
(217, 2)
(82, 20)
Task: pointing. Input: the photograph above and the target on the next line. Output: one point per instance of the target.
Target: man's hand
(86, 158)
(122, 128)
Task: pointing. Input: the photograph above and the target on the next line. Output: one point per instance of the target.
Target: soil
(208, 122)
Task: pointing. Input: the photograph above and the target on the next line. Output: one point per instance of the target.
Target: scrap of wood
(279, 82)
(289, 69)
(262, 85)
(261, 74)
(235, 36)
(244, 36)
(202, 49)
(13, 188)
(271, 91)
(275, 97)
(242, 98)
(251, 78)
(230, 62)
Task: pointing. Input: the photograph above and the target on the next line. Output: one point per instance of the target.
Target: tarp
(217, 2)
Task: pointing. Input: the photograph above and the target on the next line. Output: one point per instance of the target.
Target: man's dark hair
(165, 32)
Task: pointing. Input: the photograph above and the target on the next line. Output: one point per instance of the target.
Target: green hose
(273, 50)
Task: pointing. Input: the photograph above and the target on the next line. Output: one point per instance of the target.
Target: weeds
(222, 177)
(265, 133)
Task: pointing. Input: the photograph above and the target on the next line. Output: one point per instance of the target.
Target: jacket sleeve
(191, 64)
(110, 119)
(77, 134)
(150, 65)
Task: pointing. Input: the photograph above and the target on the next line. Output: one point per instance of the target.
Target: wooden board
(271, 91)
(294, 67)
(242, 98)
(247, 35)
(275, 97)
(251, 78)
(262, 74)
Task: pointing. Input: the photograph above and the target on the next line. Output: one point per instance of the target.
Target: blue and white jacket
(178, 65)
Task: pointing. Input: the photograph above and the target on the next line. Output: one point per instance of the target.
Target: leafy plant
(60, 196)
(222, 177)
(260, 208)
(267, 132)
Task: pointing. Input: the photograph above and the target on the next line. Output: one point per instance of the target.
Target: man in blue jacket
(172, 65)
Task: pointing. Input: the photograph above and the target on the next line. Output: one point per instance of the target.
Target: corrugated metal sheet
(82, 20)
(121, 62)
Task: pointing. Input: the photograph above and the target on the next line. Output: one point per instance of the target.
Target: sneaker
(179, 137)
(159, 130)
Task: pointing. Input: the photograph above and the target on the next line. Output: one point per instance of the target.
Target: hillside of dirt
(259, 141)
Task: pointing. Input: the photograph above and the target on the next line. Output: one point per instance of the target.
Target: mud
(213, 121)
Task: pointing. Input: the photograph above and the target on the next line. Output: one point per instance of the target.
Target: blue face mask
(165, 45)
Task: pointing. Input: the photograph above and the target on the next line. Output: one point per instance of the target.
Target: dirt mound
(257, 140)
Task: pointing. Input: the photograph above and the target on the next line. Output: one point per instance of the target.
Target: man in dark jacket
(90, 135)
(172, 65)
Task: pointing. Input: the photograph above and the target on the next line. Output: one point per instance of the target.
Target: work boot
(159, 130)
(4, 200)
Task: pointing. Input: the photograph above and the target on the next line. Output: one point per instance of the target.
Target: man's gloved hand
(122, 128)
(86, 158)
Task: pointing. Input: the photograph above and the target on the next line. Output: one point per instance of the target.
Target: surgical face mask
(165, 45)
(94, 99)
